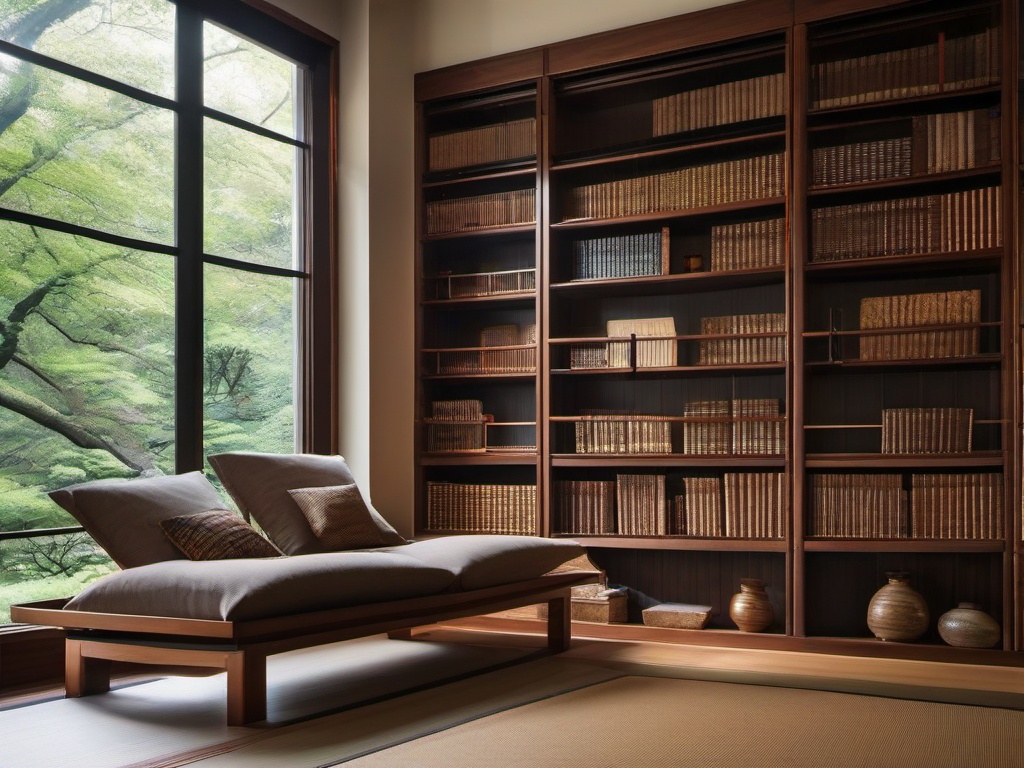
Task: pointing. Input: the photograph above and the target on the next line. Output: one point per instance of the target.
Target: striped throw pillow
(216, 535)
(341, 520)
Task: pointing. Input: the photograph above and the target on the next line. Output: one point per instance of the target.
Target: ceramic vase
(897, 612)
(750, 608)
(967, 626)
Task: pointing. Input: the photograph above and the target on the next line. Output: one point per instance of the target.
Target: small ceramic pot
(967, 626)
(750, 608)
(897, 612)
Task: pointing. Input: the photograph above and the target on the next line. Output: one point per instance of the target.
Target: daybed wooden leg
(247, 687)
(559, 623)
(84, 676)
(400, 634)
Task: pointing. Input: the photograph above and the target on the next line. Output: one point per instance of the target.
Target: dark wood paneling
(815, 10)
(728, 22)
(486, 73)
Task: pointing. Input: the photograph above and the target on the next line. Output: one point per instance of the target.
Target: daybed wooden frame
(241, 648)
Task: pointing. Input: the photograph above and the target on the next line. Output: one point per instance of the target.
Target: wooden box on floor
(677, 616)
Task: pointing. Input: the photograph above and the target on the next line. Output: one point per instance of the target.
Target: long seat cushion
(245, 589)
(481, 561)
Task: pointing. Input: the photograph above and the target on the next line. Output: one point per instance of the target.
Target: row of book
(940, 143)
(741, 505)
(482, 508)
(456, 426)
(917, 310)
(639, 255)
(499, 209)
(927, 430)
(655, 345)
(734, 427)
(948, 64)
(446, 285)
(721, 104)
(752, 178)
(748, 245)
(623, 434)
(517, 352)
(753, 503)
(954, 222)
(490, 144)
(745, 348)
(948, 506)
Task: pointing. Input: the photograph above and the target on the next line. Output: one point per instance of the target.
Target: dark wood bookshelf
(617, 116)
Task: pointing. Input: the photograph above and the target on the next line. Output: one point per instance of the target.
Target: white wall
(383, 43)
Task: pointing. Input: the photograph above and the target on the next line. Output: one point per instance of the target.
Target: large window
(165, 255)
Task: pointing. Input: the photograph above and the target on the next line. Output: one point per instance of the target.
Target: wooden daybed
(241, 648)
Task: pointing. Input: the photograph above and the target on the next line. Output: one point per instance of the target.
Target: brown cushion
(253, 589)
(216, 535)
(259, 484)
(341, 520)
(481, 561)
(123, 516)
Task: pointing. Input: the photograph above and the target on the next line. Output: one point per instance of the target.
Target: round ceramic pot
(750, 608)
(967, 626)
(897, 612)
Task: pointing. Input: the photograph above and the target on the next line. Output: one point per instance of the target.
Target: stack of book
(621, 256)
(586, 506)
(758, 427)
(500, 209)
(721, 104)
(709, 433)
(969, 61)
(518, 353)
(951, 141)
(755, 505)
(746, 348)
(449, 286)
(858, 506)
(640, 503)
(748, 245)
(661, 353)
(731, 181)
(623, 434)
(456, 426)
(949, 223)
(477, 508)
(490, 144)
(927, 430)
(921, 310)
(957, 506)
(698, 513)
(588, 355)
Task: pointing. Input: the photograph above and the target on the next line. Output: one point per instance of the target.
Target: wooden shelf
(746, 205)
(927, 100)
(663, 460)
(522, 169)
(939, 363)
(909, 461)
(679, 370)
(471, 459)
(902, 182)
(519, 376)
(654, 285)
(483, 302)
(887, 265)
(511, 229)
(678, 543)
(613, 156)
(904, 545)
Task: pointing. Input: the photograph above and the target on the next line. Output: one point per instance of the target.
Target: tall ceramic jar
(750, 608)
(967, 626)
(897, 612)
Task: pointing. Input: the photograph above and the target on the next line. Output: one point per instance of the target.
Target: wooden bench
(241, 648)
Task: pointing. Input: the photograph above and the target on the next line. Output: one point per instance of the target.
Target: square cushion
(481, 561)
(123, 516)
(341, 520)
(259, 484)
(226, 590)
(216, 535)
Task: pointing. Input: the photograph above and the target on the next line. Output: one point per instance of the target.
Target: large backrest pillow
(260, 484)
(123, 516)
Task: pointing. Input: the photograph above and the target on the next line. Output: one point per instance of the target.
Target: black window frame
(317, 54)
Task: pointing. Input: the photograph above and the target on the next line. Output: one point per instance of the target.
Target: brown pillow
(216, 535)
(341, 520)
